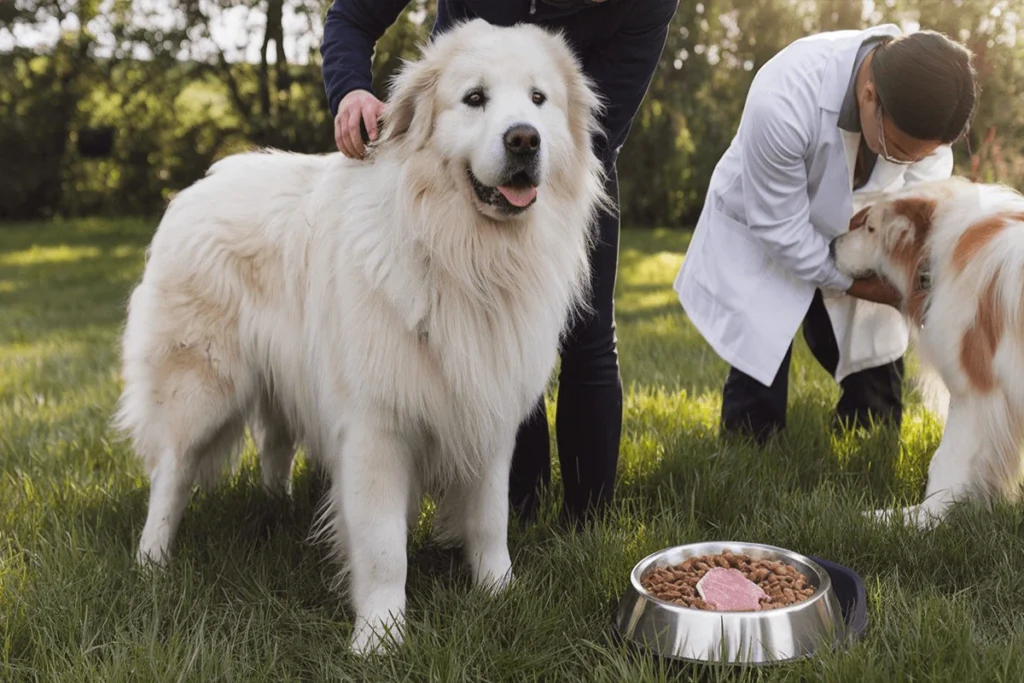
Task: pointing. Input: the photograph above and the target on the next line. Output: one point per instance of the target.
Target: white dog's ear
(585, 104)
(409, 111)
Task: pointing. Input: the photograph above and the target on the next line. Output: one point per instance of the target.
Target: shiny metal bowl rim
(824, 580)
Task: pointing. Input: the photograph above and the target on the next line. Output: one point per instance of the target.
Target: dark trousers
(588, 419)
(751, 408)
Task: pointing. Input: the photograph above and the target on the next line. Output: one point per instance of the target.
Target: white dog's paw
(492, 570)
(277, 485)
(920, 516)
(374, 637)
(882, 515)
(152, 555)
(924, 517)
(497, 583)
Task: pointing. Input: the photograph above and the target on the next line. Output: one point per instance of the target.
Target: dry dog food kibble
(782, 583)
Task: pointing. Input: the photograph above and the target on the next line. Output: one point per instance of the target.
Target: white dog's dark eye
(539, 98)
(870, 229)
(474, 98)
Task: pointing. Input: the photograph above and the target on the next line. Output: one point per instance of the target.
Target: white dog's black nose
(522, 139)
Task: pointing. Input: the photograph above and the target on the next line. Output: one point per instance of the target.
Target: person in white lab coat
(831, 118)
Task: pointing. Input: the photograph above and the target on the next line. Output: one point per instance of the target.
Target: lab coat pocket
(738, 259)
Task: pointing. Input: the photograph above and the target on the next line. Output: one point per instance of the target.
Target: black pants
(589, 411)
(749, 407)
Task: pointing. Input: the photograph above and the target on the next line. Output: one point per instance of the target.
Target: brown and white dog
(955, 251)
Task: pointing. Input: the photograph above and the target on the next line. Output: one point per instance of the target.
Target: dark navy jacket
(618, 41)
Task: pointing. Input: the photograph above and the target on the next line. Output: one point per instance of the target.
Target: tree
(38, 102)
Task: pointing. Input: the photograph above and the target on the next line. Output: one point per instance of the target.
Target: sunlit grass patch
(247, 597)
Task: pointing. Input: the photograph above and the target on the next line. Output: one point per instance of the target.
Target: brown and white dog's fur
(955, 251)
(395, 315)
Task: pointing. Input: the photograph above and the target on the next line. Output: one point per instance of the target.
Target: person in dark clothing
(619, 43)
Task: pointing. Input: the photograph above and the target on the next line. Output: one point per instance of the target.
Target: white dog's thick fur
(955, 251)
(397, 316)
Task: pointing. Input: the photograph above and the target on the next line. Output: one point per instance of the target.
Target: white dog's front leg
(476, 513)
(950, 471)
(372, 487)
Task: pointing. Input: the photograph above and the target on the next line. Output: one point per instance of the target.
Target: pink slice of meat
(728, 590)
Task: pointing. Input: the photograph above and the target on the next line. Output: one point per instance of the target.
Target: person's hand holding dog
(359, 106)
(876, 289)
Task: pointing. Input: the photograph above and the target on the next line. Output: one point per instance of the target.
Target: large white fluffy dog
(397, 316)
(955, 251)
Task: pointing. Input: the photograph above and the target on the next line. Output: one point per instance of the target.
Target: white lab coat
(780, 194)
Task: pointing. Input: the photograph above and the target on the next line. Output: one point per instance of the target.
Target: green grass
(247, 597)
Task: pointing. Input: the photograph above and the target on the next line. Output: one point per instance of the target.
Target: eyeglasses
(881, 138)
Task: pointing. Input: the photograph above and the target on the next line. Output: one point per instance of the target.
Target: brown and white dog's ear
(409, 111)
(919, 211)
(908, 222)
(859, 219)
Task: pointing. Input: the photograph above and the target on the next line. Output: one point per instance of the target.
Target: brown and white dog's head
(891, 236)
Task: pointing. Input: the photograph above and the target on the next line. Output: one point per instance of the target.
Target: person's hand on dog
(357, 107)
(876, 289)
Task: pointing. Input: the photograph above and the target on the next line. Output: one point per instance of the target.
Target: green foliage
(171, 118)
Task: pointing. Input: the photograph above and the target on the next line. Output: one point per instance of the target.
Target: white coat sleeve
(936, 166)
(775, 190)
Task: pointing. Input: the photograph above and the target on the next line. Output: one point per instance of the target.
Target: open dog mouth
(514, 196)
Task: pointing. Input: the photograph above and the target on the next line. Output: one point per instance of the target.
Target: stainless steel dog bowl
(694, 635)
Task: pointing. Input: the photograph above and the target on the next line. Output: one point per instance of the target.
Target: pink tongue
(518, 196)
